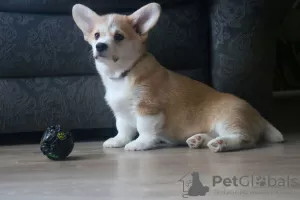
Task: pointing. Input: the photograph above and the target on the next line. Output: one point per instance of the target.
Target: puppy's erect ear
(145, 18)
(84, 18)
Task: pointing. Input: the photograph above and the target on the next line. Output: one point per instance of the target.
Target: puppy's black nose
(101, 47)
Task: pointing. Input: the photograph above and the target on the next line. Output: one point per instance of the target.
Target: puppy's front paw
(138, 145)
(114, 143)
(216, 145)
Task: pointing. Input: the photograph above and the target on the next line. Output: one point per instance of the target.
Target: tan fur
(104, 27)
(190, 107)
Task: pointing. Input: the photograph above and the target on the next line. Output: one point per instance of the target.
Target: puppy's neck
(109, 69)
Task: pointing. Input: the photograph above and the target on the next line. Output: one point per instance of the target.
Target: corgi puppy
(159, 104)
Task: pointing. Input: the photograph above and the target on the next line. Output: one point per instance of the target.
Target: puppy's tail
(271, 134)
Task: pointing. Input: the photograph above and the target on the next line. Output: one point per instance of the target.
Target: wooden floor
(95, 173)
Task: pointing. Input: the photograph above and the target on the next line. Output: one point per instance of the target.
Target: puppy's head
(113, 37)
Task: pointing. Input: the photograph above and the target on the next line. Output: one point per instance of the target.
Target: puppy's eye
(119, 37)
(97, 35)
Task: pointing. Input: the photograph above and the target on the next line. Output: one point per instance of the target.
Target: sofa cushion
(28, 105)
(65, 6)
(42, 45)
(35, 45)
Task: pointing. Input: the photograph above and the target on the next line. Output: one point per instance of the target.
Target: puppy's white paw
(139, 145)
(216, 145)
(115, 143)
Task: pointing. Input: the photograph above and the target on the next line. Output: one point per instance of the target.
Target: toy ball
(57, 144)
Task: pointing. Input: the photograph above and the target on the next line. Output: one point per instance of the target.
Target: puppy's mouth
(99, 56)
(114, 58)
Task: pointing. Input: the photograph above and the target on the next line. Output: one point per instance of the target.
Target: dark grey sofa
(47, 75)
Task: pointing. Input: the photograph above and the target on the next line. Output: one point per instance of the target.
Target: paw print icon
(261, 181)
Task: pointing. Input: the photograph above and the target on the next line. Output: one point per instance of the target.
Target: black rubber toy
(57, 144)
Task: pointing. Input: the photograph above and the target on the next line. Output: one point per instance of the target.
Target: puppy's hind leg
(199, 140)
(231, 142)
(235, 134)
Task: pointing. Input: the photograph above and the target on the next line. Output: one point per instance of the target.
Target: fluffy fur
(156, 103)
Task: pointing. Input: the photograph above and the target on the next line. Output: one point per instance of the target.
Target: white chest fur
(119, 98)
